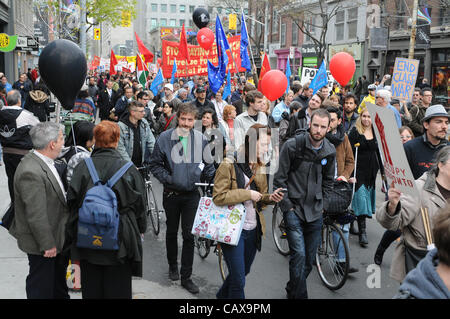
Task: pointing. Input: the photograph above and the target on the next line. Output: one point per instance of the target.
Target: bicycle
(332, 271)
(151, 204)
(279, 231)
(204, 245)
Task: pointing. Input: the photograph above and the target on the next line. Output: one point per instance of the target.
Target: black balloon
(63, 68)
(201, 17)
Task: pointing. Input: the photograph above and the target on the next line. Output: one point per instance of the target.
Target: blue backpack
(98, 217)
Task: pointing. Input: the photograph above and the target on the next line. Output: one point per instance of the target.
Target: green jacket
(130, 192)
(40, 208)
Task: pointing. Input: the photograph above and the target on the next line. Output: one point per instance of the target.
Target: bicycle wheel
(153, 209)
(223, 269)
(203, 246)
(332, 271)
(279, 231)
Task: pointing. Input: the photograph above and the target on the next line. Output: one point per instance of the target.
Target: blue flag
(216, 74)
(227, 90)
(245, 59)
(320, 80)
(174, 71)
(288, 75)
(157, 82)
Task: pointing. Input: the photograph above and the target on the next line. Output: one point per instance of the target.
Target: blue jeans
(304, 239)
(337, 242)
(239, 259)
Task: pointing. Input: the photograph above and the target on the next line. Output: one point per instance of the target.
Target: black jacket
(421, 154)
(297, 121)
(105, 103)
(308, 175)
(38, 103)
(130, 192)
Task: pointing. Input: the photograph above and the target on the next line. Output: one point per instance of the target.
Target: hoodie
(38, 103)
(424, 282)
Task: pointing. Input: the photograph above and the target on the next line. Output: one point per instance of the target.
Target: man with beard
(350, 116)
(176, 163)
(306, 169)
(421, 151)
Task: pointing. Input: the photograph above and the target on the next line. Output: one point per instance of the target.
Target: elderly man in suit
(41, 214)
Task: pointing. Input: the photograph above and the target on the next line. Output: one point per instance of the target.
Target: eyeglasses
(428, 95)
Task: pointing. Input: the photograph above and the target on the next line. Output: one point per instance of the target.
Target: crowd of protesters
(328, 127)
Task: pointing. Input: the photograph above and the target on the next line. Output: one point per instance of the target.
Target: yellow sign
(97, 34)
(7, 43)
(232, 21)
(126, 19)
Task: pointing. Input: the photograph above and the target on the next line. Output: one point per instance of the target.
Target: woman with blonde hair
(367, 165)
(226, 124)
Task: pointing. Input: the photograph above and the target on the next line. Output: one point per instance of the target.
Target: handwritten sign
(308, 75)
(404, 78)
(391, 149)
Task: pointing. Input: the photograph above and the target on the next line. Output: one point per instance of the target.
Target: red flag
(112, 64)
(148, 56)
(183, 52)
(264, 69)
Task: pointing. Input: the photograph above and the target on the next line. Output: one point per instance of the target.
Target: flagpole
(250, 45)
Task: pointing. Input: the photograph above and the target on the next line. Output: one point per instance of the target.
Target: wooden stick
(425, 224)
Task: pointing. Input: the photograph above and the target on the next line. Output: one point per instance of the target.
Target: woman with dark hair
(168, 119)
(242, 179)
(107, 274)
(84, 104)
(38, 102)
(215, 136)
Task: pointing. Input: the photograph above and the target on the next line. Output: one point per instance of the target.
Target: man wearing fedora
(421, 151)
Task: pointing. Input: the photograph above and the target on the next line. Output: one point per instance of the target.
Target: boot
(378, 258)
(353, 230)
(362, 231)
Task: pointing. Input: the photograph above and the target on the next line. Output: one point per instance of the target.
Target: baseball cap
(200, 89)
(169, 86)
(372, 87)
(435, 111)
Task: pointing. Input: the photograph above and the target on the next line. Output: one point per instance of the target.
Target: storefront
(295, 58)
(309, 55)
(440, 69)
(4, 19)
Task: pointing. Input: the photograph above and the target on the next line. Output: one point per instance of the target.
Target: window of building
(182, 21)
(191, 9)
(352, 23)
(182, 8)
(173, 23)
(163, 22)
(154, 7)
(210, 9)
(340, 19)
(274, 21)
(283, 35)
(219, 10)
(294, 34)
(310, 28)
(173, 8)
(154, 23)
(163, 7)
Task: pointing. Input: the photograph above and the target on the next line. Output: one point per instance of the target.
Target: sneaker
(173, 273)
(189, 285)
(352, 269)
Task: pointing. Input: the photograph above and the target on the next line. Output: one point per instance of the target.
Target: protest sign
(198, 58)
(391, 149)
(308, 75)
(404, 78)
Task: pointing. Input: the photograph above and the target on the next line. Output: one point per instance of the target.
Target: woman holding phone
(242, 179)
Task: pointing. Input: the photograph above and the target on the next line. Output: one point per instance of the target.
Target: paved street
(266, 280)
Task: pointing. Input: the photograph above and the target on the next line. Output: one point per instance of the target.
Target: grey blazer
(41, 209)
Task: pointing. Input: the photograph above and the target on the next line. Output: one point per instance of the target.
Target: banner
(308, 74)
(404, 78)
(199, 58)
(391, 149)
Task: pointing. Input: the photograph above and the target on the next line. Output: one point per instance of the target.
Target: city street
(266, 280)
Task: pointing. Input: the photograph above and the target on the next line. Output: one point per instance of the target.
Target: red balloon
(274, 84)
(205, 38)
(342, 67)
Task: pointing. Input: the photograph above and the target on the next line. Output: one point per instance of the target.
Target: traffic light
(97, 34)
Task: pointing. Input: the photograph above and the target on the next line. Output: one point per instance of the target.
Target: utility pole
(83, 26)
(266, 26)
(412, 41)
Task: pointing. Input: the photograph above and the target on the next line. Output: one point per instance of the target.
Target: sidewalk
(14, 266)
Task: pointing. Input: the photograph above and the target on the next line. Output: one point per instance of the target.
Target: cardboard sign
(391, 149)
(308, 75)
(404, 78)
(198, 58)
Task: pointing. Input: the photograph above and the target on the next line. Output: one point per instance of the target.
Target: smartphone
(284, 190)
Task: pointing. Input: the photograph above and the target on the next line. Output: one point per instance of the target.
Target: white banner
(392, 153)
(308, 75)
